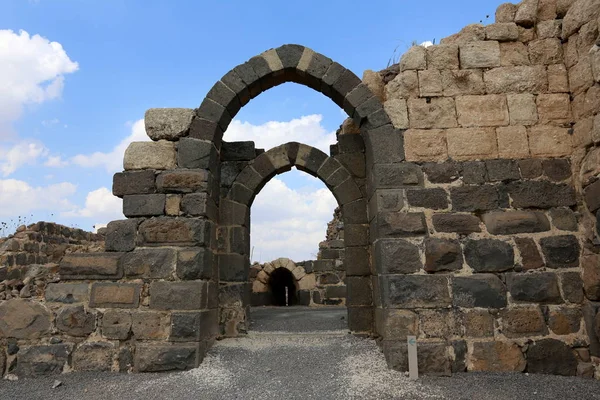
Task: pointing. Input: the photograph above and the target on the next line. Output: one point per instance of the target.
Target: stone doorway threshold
(299, 319)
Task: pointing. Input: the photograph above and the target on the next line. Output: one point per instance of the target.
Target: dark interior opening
(280, 279)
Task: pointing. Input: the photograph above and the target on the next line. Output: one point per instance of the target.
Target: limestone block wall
(481, 233)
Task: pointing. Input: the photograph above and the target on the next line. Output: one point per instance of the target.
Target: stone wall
(318, 282)
(468, 181)
(495, 121)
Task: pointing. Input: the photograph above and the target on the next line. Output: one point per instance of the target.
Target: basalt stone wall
(486, 236)
(468, 179)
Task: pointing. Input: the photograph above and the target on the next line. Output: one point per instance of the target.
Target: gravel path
(323, 364)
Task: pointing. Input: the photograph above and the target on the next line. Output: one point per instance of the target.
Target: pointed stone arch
(234, 223)
(288, 63)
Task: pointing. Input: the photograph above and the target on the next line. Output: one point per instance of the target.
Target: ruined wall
(495, 122)
(318, 282)
(468, 179)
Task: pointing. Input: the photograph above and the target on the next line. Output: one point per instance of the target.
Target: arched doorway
(235, 217)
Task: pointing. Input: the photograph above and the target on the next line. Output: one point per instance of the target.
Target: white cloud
(113, 160)
(100, 205)
(24, 152)
(289, 223)
(32, 70)
(427, 43)
(306, 129)
(50, 122)
(55, 162)
(19, 198)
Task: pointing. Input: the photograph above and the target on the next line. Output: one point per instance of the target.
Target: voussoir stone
(168, 123)
(150, 155)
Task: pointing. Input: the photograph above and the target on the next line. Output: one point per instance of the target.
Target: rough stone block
(115, 295)
(561, 251)
(443, 56)
(396, 256)
(436, 113)
(233, 267)
(434, 359)
(360, 319)
(479, 54)
(526, 15)
(502, 170)
(425, 145)
(178, 295)
(359, 291)
(394, 324)
(196, 263)
(592, 196)
(489, 255)
(23, 319)
(435, 198)
(356, 235)
(150, 325)
(530, 255)
(551, 356)
(478, 323)
(564, 321)
(564, 219)
(558, 80)
(522, 109)
(534, 288)
(199, 204)
(93, 356)
(474, 172)
(144, 205)
(398, 224)
(396, 176)
(554, 107)
(557, 169)
(530, 168)
(502, 31)
(442, 255)
(475, 198)
(415, 291)
(513, 53)
(192, 326)
(43, 360)
(357, 261)
(485, 290)
(168, 123)
(523, 322)
(67, 292)
(75, 321)
(414, 58)
(149, 263)
(445, 172)
(457, 82)
(430, 83)
(591, 276)
(121, 235)
(506, 12)
(150, 155)
(403, 86)
(581, 76)
(496, 356)
(174, 231)
(546, 51)
(511, 222)
(516, 79)
(540, 194)
(472, 143)
(116, 324)
(133, 182)
(182, 181)
(462, 224)
(91, 266)
(196, 153)
(156, 358)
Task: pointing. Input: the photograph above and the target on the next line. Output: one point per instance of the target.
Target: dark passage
(280, 279)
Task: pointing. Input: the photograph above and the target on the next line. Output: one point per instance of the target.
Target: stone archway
(235, 227)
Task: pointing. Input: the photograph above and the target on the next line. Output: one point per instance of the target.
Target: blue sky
(75, 86)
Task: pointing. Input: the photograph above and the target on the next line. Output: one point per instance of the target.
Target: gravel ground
(325, 364)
